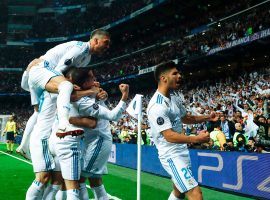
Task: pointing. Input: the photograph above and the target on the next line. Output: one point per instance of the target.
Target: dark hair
(100, 32)
(163, 67)
(78, 75)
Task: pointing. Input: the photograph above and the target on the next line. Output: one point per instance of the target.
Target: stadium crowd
(242, 104)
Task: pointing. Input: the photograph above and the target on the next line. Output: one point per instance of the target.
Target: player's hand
(102, 95)
(124, 88)
(76, 87)
(214, 117)
(203, 136)
(96, 84)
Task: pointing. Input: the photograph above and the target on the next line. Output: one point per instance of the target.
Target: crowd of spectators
(243, 106)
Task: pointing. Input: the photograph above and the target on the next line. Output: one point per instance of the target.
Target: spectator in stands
(218, 137)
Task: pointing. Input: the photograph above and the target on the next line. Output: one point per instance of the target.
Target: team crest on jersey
(95, 106)
(160, 121)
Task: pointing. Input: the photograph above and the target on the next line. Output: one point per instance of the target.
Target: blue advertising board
(245, 173)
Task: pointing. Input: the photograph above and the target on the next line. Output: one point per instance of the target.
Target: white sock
(50, 192)
(28, 130)
(63, 100)
(83, 192)
(61, 195)
(73, 194)
(172, 197)
(100, 193)
(34, 191)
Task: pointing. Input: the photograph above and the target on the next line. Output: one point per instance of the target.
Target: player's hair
(78, 75)
(99, 32)
(163, 67)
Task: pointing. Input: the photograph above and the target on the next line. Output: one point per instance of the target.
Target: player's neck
(164, 91)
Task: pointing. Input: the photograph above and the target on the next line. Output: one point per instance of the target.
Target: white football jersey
(74, 53)
(87, 106)
(165, 113)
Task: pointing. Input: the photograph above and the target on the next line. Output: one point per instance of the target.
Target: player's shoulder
(157, 104)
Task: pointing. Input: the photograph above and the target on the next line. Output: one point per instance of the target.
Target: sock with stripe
(83, 192)
(73, 194)
(34, 191)
(172, 197)
(100, 193)
(50, 192)
(65, 89)
(61, 195)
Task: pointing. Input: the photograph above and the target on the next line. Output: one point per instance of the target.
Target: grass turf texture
(16, 176)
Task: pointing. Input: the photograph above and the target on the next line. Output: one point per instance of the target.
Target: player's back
(55, 54)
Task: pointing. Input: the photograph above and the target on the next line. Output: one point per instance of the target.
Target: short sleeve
(159, 119)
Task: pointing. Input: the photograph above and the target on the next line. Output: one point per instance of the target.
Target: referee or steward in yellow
(10, 130)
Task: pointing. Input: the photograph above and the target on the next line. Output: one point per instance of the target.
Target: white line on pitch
(110, 196)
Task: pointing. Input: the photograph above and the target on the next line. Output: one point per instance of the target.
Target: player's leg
(12, 142)
(42, 159)
(98, 188)
(95, 160)
(62, 193)
(64, 88)
(179, 169)
(8, 145)
(194, 194)
(23, 148)
(83, 190)
(176, 194)
(69, 154)
(52, 189)
(43, 77)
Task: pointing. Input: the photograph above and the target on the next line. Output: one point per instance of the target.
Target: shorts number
(186, 173)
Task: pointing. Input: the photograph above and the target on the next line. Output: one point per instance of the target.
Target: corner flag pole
(135, 110)
(139, 112)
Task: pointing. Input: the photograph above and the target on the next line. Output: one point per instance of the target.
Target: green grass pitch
(16, 176)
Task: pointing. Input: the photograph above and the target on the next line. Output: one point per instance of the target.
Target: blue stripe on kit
(177, 176)
(41, 101)
(159, 99)
(75, 163)
(46, 154)
(94, 157)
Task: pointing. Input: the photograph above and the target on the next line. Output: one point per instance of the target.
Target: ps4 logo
(262, 186)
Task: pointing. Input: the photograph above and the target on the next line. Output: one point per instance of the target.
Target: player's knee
(195, 193)
(95, 182)
(43, 177)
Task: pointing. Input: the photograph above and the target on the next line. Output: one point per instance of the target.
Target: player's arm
(174, 137)
(78, 94)
(87, 122)
(87, 108)
(158, 117)
(192, 119)
(68, 58)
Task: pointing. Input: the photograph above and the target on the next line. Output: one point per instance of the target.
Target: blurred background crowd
(234, 82)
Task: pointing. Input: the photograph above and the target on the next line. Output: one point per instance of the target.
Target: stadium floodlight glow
(229, 65)
(253, 59)
(219, 25)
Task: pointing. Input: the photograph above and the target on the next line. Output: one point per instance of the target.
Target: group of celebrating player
(69, 134)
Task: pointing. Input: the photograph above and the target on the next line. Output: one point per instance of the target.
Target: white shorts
(41, 157)
(39, 76)
(179, 168)
(53, 153)
(95, 157)
(68, 151)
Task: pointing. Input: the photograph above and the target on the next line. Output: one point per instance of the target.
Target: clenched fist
(124, 88)
(203, 136)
